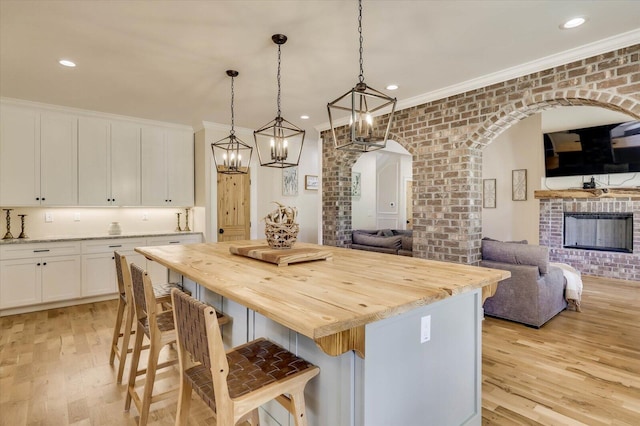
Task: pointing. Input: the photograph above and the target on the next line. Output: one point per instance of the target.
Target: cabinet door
(60, 278)
(154, 167)
(94, 187)
(19, 283)
(19, 157)
(98, 274)
(58, 159)
(180, 167)
(125, 164)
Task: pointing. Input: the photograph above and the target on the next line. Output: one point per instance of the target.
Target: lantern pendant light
(230, 155)
(279, 142)
(361, 102)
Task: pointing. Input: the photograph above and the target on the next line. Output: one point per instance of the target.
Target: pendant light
(279, 142)
(230, 155)
(361, 102)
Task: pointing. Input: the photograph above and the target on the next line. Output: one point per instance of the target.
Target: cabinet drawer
(25, 251)
(111, 245)
(178, 239)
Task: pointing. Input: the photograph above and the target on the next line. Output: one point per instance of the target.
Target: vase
(114, 228)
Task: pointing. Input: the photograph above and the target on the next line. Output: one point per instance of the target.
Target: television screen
(612, 148)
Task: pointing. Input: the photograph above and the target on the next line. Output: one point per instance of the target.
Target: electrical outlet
(145, 216)
(48, 217)
(76, 217)
(425, 329)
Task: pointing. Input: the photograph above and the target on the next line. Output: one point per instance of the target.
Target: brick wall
(591, 262)
(446, 138)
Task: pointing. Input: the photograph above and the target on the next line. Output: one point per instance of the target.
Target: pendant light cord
(279, 80)
(232, 113)
(361, 76)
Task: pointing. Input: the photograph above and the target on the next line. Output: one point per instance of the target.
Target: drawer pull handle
(174, 242)
(41, 251)
(115, 245)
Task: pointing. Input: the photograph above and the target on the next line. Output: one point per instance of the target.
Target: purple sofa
(535, 292)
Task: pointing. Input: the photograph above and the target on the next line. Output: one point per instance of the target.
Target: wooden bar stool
(159, 329)
(236, 383)
(126, 311)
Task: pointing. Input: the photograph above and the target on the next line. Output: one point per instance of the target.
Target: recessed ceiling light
(67, 63)
(392, 87)
(573, 23)
(304, 117)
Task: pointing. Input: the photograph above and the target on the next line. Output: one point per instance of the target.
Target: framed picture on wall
(311, 182)
(356, 184)
(489, 193)
(290, 181)
(519, 185)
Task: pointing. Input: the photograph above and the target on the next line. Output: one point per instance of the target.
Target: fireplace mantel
(628, 193)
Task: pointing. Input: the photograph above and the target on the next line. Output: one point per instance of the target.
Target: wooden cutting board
(281, 257)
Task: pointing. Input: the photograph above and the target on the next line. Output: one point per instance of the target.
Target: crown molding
(588, 50)
(89, 113)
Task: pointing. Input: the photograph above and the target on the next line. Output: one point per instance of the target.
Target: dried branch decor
(281, 228)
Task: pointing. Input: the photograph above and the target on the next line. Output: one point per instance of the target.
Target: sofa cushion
(518, 254)
(407, 242)
(394, 242)
(386, 233)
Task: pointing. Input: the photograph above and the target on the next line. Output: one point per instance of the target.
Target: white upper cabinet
(167, 167)
(125, 163)
(38, 158)
(51, 157)
(109, 157)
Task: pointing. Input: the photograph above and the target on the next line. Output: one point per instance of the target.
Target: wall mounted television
(612, 148)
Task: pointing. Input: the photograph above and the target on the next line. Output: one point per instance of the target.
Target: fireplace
(559, 207)
(599, 231)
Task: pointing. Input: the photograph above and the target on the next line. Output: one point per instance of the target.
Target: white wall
(266, 185)
(94, 221)
(269, 190)
(519, 147)
(363, 208)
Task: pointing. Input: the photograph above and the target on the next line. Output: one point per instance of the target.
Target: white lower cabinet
(98, 264)
(33, 275)
(39, 273)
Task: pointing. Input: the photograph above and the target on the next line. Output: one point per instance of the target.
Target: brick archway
(446, 138)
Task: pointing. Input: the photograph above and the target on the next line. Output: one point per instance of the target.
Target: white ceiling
(166, 60)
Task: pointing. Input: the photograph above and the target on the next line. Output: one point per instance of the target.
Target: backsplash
(77, 221)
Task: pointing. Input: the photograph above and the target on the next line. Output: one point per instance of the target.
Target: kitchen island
(397, 339)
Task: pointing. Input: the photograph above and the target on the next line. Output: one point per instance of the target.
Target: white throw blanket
(573, 291)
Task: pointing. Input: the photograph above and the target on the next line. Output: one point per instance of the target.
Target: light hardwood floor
(578, 369)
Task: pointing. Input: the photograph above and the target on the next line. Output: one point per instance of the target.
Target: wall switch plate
(425, 329)
(48, 217)
(76, 217)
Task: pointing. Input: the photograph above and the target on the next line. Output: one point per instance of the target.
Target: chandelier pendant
(279, 142)
(231, 155)
(362, 103)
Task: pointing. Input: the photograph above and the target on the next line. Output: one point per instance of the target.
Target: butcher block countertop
(328, 300)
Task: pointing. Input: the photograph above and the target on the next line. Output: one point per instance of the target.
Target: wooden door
(233, 207)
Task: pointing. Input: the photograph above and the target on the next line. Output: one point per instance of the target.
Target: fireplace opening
(599, 231)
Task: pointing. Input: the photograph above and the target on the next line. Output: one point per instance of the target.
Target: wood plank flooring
(581, 368)
(578, 369)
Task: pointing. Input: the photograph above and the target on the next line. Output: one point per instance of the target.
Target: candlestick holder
(186, 220)
(22, 234)
(178, 229)
(8, 235)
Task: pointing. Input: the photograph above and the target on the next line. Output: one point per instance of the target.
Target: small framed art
(489, 193)
(311, 182)
(519, 185)
(290, 181)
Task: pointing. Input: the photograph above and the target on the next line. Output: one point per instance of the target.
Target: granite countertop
(61, 238)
